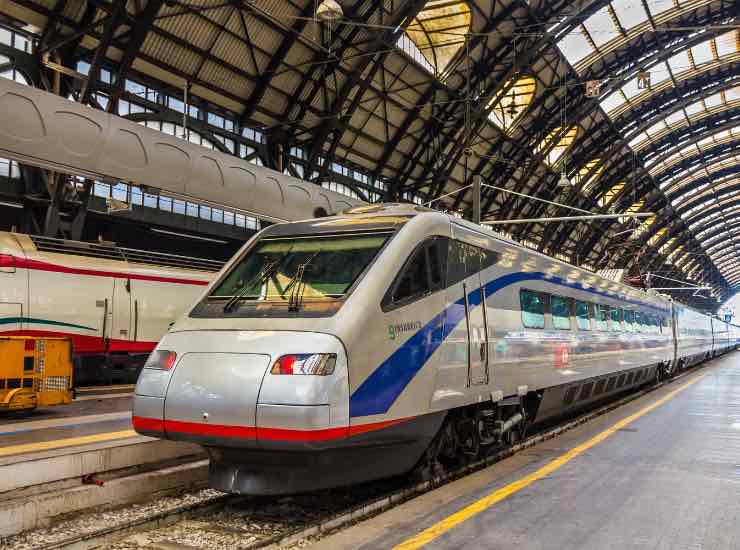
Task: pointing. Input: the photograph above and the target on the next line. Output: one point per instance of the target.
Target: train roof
(107, 251)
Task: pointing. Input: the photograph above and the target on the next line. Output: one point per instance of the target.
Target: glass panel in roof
(702, 53)
(643, 228)
(658, 235)
(631, 90)
(728, 43)
(587, 176)
(575, 46)
(629, 12)
(733, 93)
(439, 31)
(610, 195)
(511, 102)
(713, 101)
(564, 141)
(694, 108)
(679, 62)
(612, 102)
(634, 209)
(659, 6)
(601, 27)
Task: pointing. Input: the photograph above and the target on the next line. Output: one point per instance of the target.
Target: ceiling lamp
(329, 10)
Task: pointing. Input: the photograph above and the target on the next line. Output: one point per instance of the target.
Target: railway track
(208, 519)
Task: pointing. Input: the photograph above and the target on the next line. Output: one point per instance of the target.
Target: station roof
(633, 102)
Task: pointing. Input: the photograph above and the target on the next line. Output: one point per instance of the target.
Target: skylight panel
(612, 102)
(674, 118)
(601, 27)
(575, 46)
(630, 13)
(694, 108)
(727, 43)
(702, 53)
(659, 74)
(712, 101)
(679, 62)
(636, 141)
(631, 90)
(658, 6)
(656, 128)
(733, 93)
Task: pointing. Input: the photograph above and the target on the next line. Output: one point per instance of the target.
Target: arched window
(556, 144)
(436, 34)
(634, 209)
(511, 102)
(610, 195)
(587, 176)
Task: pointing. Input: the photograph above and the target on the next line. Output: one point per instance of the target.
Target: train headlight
(320, 364)
(161, 359)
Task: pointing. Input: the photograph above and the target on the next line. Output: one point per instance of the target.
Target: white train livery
(114, 303)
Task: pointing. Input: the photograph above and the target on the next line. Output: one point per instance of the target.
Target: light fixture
(329, 10)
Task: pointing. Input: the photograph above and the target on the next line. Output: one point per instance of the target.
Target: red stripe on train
(250, 432)
(36, 265)
(87, 344)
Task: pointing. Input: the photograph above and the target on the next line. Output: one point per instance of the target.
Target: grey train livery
(393, 338)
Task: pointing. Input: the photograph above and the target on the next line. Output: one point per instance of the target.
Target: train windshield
(294, 269)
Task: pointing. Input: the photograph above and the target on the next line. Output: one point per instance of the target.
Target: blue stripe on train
(381, 389)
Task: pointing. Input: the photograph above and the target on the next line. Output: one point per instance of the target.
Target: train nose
(245, 389)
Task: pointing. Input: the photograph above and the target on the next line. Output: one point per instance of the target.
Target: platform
(662, 472)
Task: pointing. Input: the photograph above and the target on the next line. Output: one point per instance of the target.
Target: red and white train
(115, 303)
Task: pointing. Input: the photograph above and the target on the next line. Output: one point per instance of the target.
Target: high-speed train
(393, 338)
(114, 303)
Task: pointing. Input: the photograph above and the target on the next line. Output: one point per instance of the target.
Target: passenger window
(601, 317)
(629, 320)
(639, 322)
(615, 314)
(422, 274)
(583, 315)
(533, 309)
(465, 260)
(560, 308)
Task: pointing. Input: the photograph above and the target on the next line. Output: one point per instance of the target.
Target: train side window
(465, 260)
(602, 315)
(533, 309)
(629, 320)
(560, 309)
(422, 274)
(639, 322)
(583, 315)
(615, 314)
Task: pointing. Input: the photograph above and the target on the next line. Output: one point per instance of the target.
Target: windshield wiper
(297, 286)
(265, 273)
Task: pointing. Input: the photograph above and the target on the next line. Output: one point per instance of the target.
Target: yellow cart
(34, 372)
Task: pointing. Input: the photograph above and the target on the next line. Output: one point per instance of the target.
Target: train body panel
(429, 318)
(106, 306)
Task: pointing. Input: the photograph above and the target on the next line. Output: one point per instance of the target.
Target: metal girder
(117, 18)
(275, 60)
(144, 20)
(374, 62)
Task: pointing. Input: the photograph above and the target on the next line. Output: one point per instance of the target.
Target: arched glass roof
(690, 175)
(660, 165)
(680, 66)
(720, 101)
(511, 102)
(438, 33)
(556, 144)
(615, 24)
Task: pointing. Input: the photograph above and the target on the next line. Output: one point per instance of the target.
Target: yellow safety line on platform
(61, 443)
(437, 530)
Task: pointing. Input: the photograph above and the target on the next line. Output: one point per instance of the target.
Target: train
(114, 303)
(391, 340)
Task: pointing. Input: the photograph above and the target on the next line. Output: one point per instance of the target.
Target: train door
(14, 285)
(465, 264)
(120, 312)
